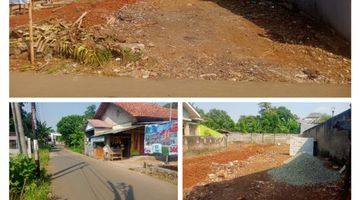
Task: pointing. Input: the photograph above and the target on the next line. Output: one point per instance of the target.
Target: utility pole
(36, 146)
(20, 128)
(167, 156)
(31, 36)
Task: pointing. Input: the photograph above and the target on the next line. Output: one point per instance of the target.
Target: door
(127, 143)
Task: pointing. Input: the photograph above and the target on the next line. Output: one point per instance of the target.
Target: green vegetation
(72, 129)
(90, 112)
(134, 152)
(77, 149)
(43, 130)
(24, 185)
(219, 119)
(323, 118)
(37, 191)
(44, 154)
(206, 131)
(269, 120)
(84, 54)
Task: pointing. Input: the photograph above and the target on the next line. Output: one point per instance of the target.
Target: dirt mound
(99, 11)
(197, 169)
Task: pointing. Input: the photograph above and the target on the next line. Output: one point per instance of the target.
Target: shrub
(44, 156)
(37, 191)
(77, 149)
(22, 171)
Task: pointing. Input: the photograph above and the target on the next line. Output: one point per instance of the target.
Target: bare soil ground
(208, 39)
(252, 180)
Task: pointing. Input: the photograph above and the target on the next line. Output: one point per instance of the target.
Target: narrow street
(75, 176)
(49, 85)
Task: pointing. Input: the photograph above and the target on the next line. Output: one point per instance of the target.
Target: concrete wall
(266, 138)
(336, 13)
(333, 136)
(197, 143)
(301, 145)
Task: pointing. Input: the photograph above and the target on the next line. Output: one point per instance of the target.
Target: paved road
(77, 177)
(25, 84)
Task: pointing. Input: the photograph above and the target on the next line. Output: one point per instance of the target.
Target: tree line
(71, 128)
(270, 119)
(43, 130)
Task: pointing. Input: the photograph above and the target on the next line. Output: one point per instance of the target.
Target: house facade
(310, 121)
(120, 128)
(191, 120)
(13, 143)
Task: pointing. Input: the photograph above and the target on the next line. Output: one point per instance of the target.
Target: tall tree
(173, 105)
(323, 118)
(90, 112)
(71, 128)
(43, 132)
(219, 119)
(264, 106)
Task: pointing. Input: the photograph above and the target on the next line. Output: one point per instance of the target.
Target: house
(191, 120)
(310, 121)
(53, 138)
(13, 143)
(120, 127)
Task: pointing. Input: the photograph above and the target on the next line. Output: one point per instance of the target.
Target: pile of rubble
(304, 169)
(93, 46)
(224, 171)
(162, 172)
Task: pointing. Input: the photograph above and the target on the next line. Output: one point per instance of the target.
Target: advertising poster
(161, 138)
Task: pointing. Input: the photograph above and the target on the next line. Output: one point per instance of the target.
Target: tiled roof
(140, 110)
(99, 123)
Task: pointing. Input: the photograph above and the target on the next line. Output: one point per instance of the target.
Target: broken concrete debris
(224, 171)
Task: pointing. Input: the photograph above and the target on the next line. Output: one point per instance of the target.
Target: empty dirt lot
(205, 39)
(250, 179)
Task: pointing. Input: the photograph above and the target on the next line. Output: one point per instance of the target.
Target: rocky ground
(188, 39)
(242, 172)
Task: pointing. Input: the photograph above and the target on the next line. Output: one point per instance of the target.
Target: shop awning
(119, 129)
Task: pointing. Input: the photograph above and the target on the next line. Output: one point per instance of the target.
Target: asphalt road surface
(25, 84)
(78, 177)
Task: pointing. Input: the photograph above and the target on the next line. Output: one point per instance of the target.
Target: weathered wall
(336, 13)
(266, 138)
(333, 136)
(197, 143)
(117, 116)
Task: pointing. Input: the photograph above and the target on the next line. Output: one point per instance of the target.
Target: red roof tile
(140, 110)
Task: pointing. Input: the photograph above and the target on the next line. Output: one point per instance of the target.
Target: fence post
(251, 137)
(262, 139)
(29, 147)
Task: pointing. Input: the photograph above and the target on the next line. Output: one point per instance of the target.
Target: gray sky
(235, 110)
(52, 112)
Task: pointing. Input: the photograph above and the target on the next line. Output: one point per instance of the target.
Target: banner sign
(161, 138)
(98, 139)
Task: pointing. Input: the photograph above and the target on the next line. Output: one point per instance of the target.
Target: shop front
(118, 144)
